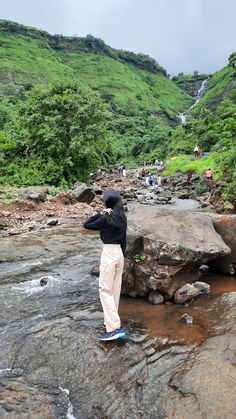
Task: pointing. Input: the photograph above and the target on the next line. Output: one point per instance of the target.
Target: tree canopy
(59, 131)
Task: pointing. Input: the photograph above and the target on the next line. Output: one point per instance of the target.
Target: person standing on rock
(150, 179)
(195, 150)
(159, 181)
(189, 177)
(112, 224)
(209, 174)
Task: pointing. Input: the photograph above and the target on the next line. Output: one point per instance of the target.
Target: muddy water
(164, 321)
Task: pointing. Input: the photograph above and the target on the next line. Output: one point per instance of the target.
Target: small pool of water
(209, 313)
(185, 204)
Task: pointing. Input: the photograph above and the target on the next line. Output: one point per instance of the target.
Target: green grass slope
(26, 61)
(29, 57)
(222, 85)
(126, 84)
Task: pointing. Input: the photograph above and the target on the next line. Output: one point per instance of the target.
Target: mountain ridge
(89, 43)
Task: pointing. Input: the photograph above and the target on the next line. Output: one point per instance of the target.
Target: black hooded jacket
(108, 234)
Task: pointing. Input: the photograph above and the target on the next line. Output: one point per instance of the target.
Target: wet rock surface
(155, 298)
(185, 293)
(193, 394)
(52, 364)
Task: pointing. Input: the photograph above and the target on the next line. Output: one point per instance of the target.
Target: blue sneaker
(116, 334)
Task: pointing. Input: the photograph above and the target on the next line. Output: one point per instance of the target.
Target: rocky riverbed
(52, 364)
(35, 208)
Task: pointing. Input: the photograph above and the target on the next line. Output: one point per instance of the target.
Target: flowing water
(200, 92)
(183, 118)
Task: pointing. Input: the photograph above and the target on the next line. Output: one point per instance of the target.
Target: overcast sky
(182, 35)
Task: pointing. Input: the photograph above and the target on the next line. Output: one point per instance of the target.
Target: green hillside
(190, 83)
(143, 101)
(30, 57)
(25, 61)
(70, 104)
(212, 125)
(222, 85)
(126, 84)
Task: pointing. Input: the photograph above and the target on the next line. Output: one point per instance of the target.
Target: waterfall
(202, 89)
(198, 96)
(70, 414)
(200, 92)
(182, 117)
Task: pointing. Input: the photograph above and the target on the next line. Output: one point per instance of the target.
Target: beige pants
(111, 268)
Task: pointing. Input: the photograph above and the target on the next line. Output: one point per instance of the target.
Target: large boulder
(83, 193)
(166, 247)
(36, 193)
(225, 225)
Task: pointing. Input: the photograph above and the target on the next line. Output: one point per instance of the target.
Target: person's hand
(106, 211)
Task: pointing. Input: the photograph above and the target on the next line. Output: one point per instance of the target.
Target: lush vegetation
(212, 126)
(70, 104)
(214, 132)
(58, 135)
(221, 86)
(141, 99)
(185, 163)
(89, 44)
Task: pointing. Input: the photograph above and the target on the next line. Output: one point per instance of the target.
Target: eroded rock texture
(169, 245)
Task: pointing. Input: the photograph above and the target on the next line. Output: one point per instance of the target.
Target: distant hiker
(112, 224)
(195, 150)
(159, 180)
(209, 174)
(124, 171)
(143, 173)
(156, 162)
(150, 179)
(189, 178)
(119, 169)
